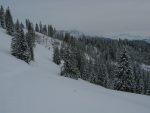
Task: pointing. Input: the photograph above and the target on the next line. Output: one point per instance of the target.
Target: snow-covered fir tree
(56, 56)
(21, 25)
(9, 22)
(15, 40)
(30, 38)
(139, 74)
(92, 74)
(124, 80)
(100, 69)
(82, 65)
(147, 83)
(2, 17)
(27, 23)
(44, 30)
(41, 27)
(50, 31)
(148, 86)
(37, 28)
(85, 70)
(19, 46)
(70, 68)
(106, 81)
(102, 75)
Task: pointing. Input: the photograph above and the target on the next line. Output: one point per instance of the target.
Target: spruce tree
(106, 79)
(27, 23)
(24, 49)
(15, 40)
(92, 74)
(82, 65)
(41, 27)
(67, 38)
(30, 38)
(21, 25)
(101, 70)
(19, 46)
(148, 85)
(124, 76)
(62, 49)
(50, 31)
(44, 31)
(9, 22)
(56, 56)
(37, 28)
(86, 71)
(139, 78)
(70, 68)
(2, 17)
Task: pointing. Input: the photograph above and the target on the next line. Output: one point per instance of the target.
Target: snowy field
(38, 88)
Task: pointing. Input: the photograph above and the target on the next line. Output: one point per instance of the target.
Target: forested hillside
(45, 70)
(114, 64)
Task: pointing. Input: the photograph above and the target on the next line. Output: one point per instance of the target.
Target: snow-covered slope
(147, 40)
(129, 37)
(38, 88)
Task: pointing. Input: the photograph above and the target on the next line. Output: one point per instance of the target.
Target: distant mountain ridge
(128, 36)
(147, 40)
(74, 33)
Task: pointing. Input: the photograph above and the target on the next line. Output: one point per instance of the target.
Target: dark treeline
(114, 64)
(48, 30)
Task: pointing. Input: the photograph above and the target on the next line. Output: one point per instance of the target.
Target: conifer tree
(54, 32)
(56, 56)
(2, 17)
(15, 40)
(139, 74)
(50, 31)
(124, 75)
(24, 49)
(19, 46)
(106, 79)
(27, 23)
(21, 25)
(9, 22)
(85, 73)
(37, 28)
(67, 38)
(82, 65)
(30, 38)
(148, 85)
(101, 71)
(62, 49)
(70, 68)
(44, 31)
(93, 75)
(41, 27)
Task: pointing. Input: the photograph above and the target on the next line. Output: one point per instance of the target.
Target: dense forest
(113, 64)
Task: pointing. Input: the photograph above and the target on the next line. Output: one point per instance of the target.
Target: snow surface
(38, 88)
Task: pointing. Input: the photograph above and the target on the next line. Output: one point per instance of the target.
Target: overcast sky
(96, 17)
